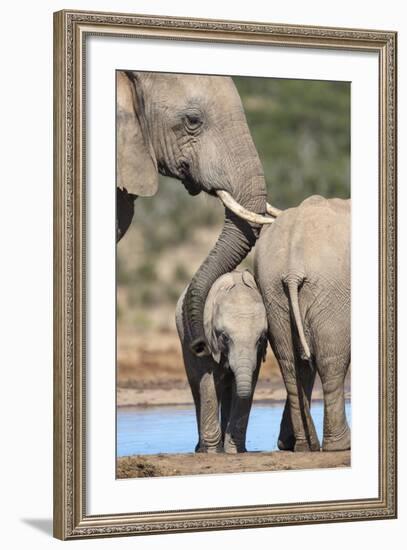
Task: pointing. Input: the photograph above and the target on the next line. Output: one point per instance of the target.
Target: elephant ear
(212, 309)
(248, 279)
(136, 163)
(209, 314)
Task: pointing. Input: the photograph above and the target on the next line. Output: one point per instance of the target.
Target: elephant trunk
(244, 380)
(234, 243)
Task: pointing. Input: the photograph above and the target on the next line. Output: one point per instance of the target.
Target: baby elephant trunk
(244, 379)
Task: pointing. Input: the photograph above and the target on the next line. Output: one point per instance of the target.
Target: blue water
(172, 429)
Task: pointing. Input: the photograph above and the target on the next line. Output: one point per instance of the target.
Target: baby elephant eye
(193, 121)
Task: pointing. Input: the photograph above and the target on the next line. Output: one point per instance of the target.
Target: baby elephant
(223, 383)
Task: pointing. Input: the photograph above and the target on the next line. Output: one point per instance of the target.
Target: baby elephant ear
(209, 319)
(136, 163)
(248, 279)
(215, 351)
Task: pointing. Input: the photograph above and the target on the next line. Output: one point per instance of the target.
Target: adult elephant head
(192, 128)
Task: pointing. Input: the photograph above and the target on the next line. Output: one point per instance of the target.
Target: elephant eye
(193, 122)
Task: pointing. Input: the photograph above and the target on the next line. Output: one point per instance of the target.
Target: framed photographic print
(225, 243)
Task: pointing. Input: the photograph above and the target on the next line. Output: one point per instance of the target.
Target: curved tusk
(273, 211)
(240, 211)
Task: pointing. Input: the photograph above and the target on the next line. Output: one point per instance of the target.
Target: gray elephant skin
(223, 383)
(302, 267)
(192, 128)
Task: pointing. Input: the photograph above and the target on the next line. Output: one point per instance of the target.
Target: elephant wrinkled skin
(192, 128)
(236, 332)
(302, 267)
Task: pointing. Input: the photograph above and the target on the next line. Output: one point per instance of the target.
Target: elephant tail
(292, 285)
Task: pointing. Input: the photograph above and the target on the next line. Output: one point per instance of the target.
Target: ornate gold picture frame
(71, 518)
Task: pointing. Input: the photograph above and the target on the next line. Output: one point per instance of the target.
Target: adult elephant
(192, 128)
(302, 267)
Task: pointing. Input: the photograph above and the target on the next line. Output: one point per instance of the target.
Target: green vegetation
(301, 130)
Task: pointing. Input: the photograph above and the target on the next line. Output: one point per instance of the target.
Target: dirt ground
(191, 463)
(150, 371)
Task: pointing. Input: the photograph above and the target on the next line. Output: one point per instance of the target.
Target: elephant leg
(210, 433)
(297, 430)
(332, 370)
(235, 435)
(205, 391)
(191, 372)
(286, 440)
(306, 375)
(226, 405)
(293, 435)
(197, 402)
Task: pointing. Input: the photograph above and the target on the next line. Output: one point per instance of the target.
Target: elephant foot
(342, 442)
(286, 443)
(303, 446)
(210, 449)
(298, 446)
(232, 448)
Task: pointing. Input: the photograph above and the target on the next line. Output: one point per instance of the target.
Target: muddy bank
(191, 463)
(170, 393)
